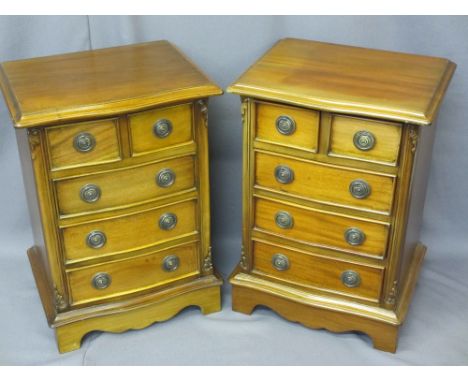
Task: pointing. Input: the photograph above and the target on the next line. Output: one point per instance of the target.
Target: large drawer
(325, 183)
(83, 144)
(119, 188)
(322, 228)
(132, 275)
(287, 126)
(130, 232)
(307, 269)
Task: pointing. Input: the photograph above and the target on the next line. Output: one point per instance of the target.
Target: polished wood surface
(126, 187)
(132, 275)
(322, 229)
(306, 122)
(389, 97)
(350, 80)
(324, 183)
(143, 139)
(112, 101)
(309, 270)
(387, 139)
(100, 82)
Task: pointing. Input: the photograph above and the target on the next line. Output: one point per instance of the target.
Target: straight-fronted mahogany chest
(114, 150)
(337, 146)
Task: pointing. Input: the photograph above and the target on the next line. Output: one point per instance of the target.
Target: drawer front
(132, 275)
(322, 229)
(157, 129)
(325, 183)
(365, 139)
(130, 232)
(124, 187)
(288, 126)
(310, 270)
(83, 144)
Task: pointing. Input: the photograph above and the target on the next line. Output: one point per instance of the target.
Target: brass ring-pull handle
(101, 280)
(284, 220)
(359, 189)
(354, 236)
(280, 262)
(90, 193)
(162, 128)
(284, 174)
(167, 221)
(351, 279)
(165, 178)
(96, 239)
(364, 140)
(285, 125)
(84, 142)
(171, 263)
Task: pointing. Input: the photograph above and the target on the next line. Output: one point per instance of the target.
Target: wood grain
(124, 187)
(143, 139)
(306, 121)
(325, 183)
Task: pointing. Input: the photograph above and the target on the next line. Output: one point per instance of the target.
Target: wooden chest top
(344, 79)
(101, 82)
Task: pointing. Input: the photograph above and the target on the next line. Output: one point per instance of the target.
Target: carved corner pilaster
(59, 301)
(208, 262)
(204, 112)
(244, 106)
(392, 295)
(244, 263)
(34, 137)
(413, 136)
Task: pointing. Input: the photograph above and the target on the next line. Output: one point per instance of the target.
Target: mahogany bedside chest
(114, 151)
(337, 146)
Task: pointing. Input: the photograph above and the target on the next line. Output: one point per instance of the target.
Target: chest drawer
(157, 129)
(324, 183)
(287, 126)
(132, 275)
(365, 139)
(321, 228)
(83, 144)
(130, 232)
(313, 271)
(124, 187)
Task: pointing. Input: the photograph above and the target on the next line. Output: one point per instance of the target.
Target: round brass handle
(167, 221)
(284, 220)
(364, 140)
(90, 193)
(84, 142)
(359, 189)
(280, 262)
(284, 174)
(354, 236)
(351, 279)
(165, 178)
(96, 239)
(101, 280)
(162, 128)
(285, 125)
(171, 263)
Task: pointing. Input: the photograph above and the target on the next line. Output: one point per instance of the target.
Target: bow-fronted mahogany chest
(337, 146)
(114, 151)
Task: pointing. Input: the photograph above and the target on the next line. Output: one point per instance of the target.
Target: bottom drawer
(314, 271)
(131, 275)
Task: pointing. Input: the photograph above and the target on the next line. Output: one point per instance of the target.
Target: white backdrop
(436, 331)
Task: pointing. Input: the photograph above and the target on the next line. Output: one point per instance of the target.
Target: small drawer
(120, 188)
(321, 228)
(129, 232)
(132, 275)
(365, 139)
(83, 144)
(325, 183)
(288, 126)
(157, 129)
(307, 269)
